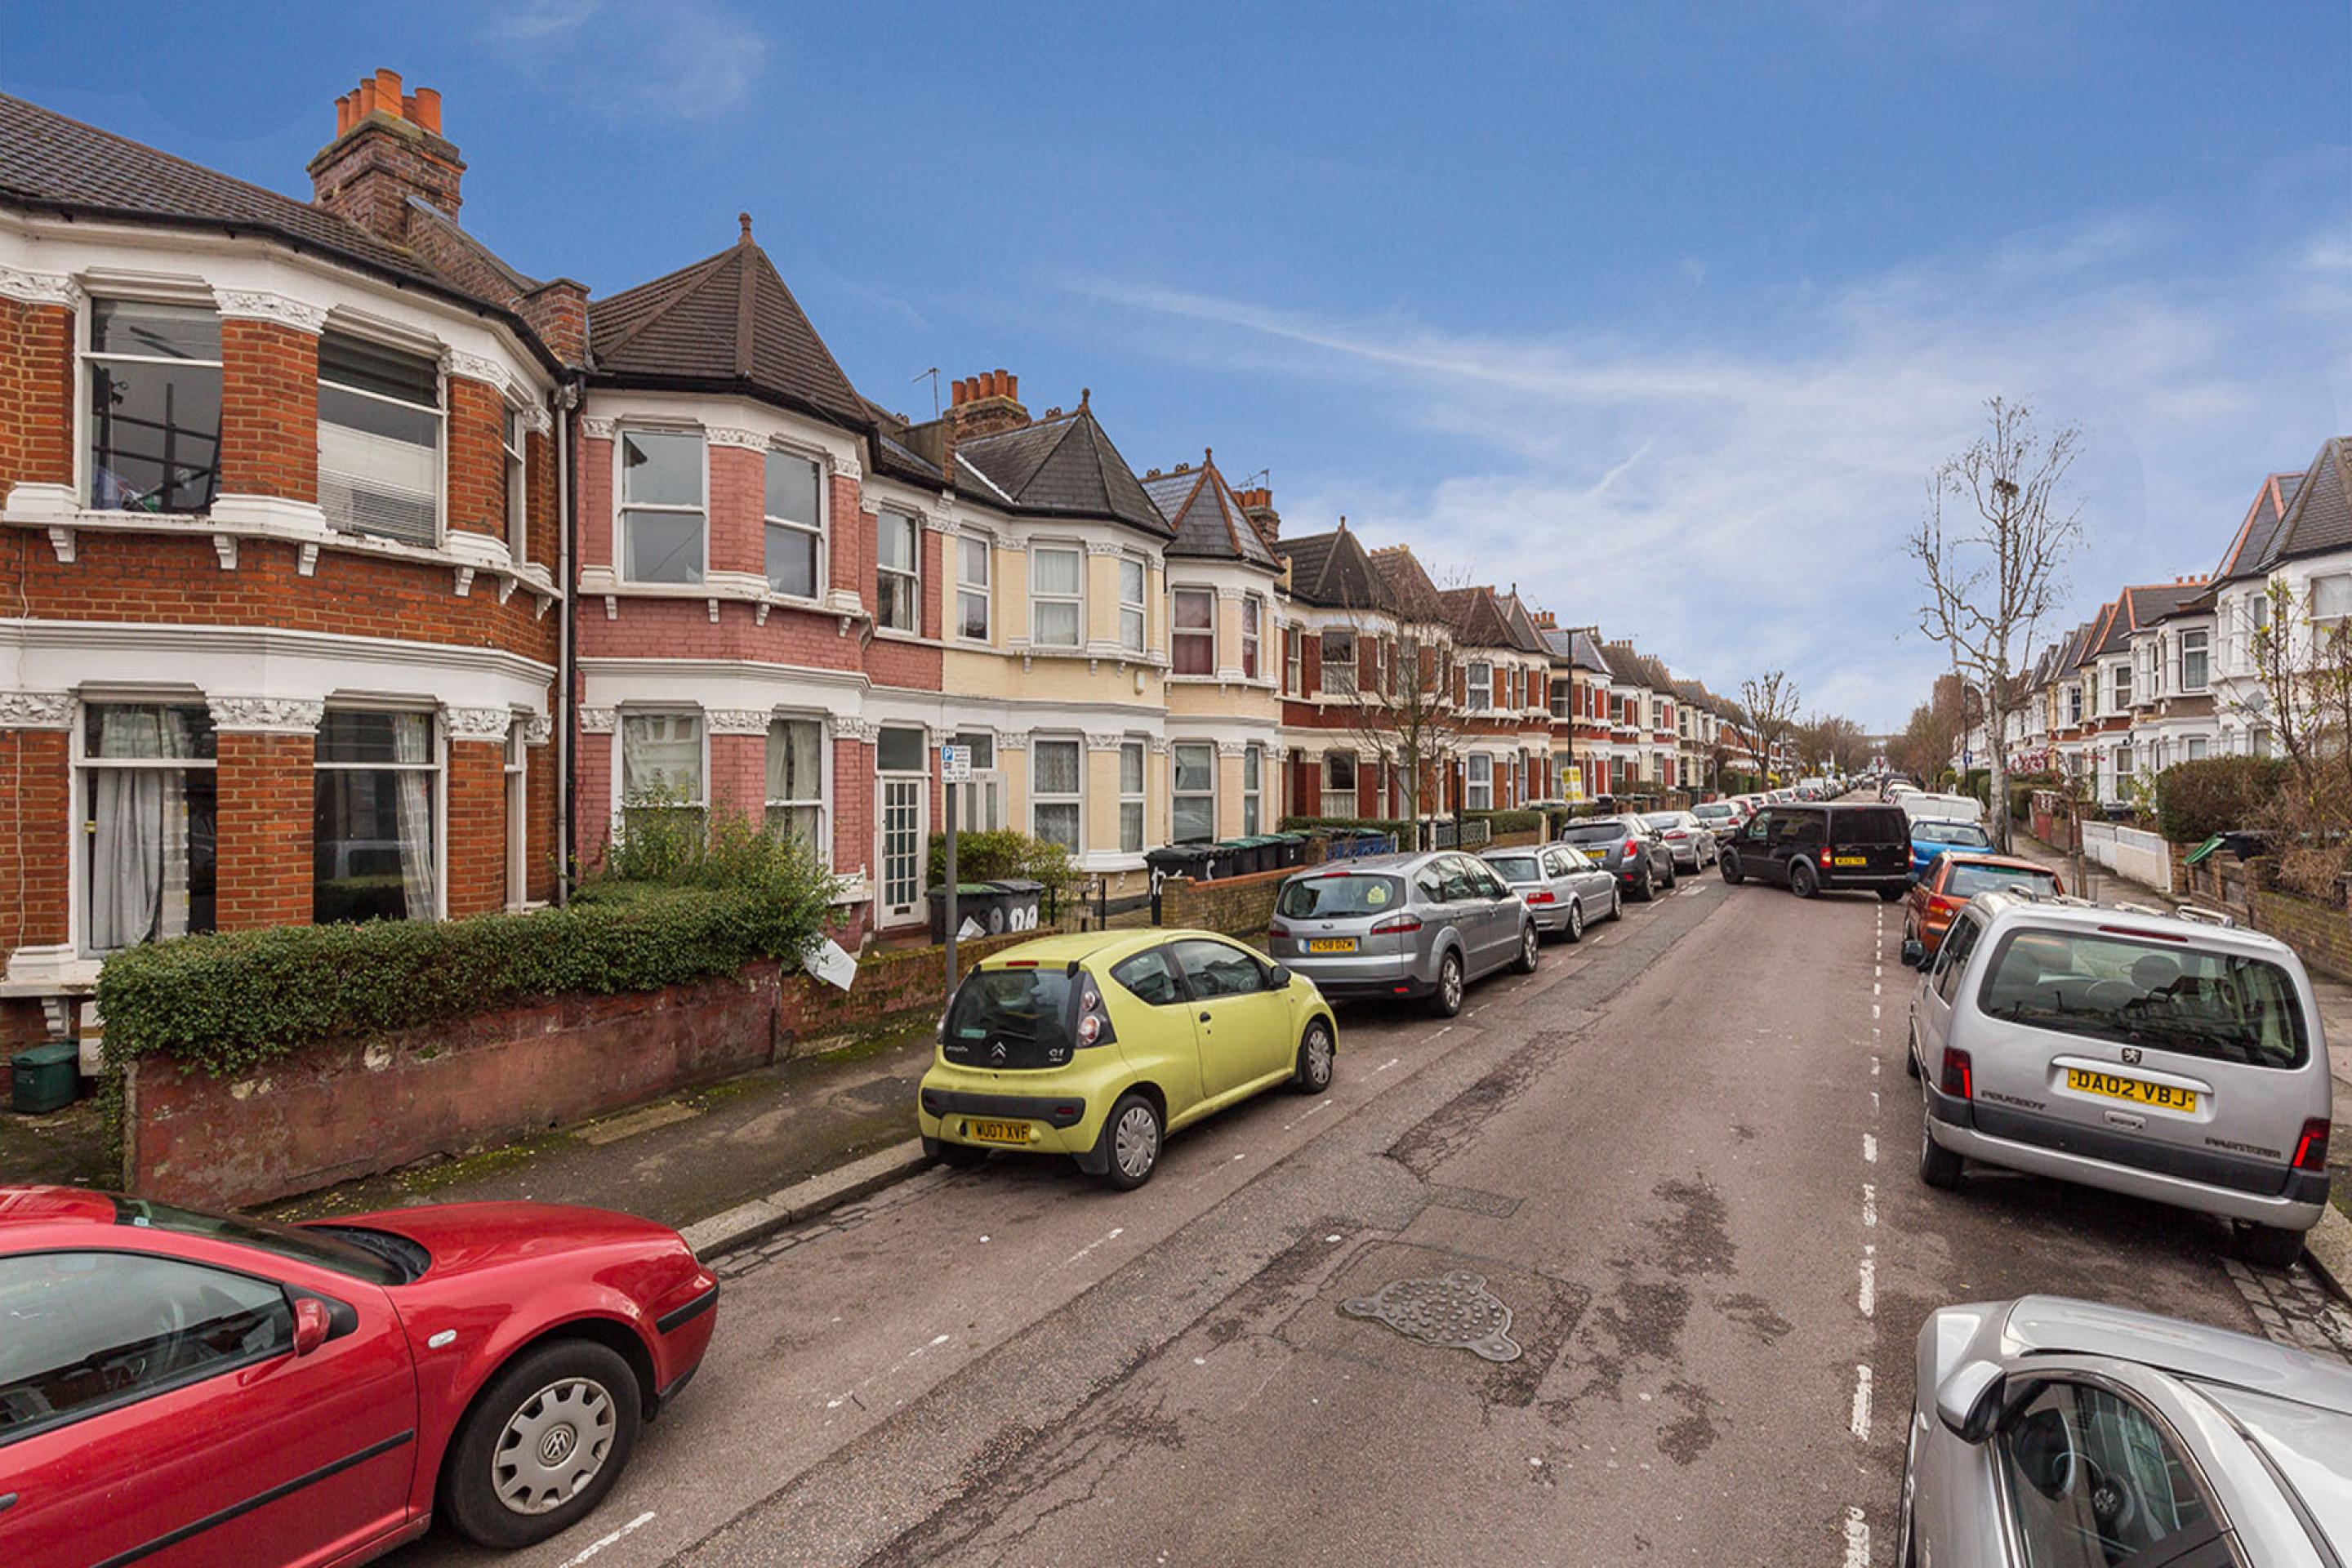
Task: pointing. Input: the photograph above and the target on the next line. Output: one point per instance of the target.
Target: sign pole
(955, 767)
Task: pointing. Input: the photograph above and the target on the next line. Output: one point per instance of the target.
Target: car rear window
(1968, 881)
(1715, 809)
(1872, 825)
(1011, 1003)
(1664, 818)
(1516, 868)
(1955, 832)
(1338, 897)
(2164, 996)
(1599, 832)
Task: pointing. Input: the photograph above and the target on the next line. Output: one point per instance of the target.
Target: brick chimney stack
(388, 147)
(986, 404)
(1258, 505)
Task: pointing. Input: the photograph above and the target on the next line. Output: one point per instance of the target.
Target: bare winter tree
(1994, 570)
(1768, 713)
(2303, 701)
(1401, 697)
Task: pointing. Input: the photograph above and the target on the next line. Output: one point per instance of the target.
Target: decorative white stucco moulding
(599, 429)
(259, 305)
(36, 710)
(1110, 743)
(1105, 547)
(39, 287)
(266, 715)
(1234, 748)
(477, 723)
(848, 467)
(476, 367)
(599, 720)
(736, 435)
(861, 729)
(538, 730)
(737, 721)
(536, 419)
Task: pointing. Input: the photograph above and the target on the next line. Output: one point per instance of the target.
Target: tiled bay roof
(2319, 519)
(1412, 592)
(1064, 467)
(2250, 547)
(1333, 571)
(1206, 516)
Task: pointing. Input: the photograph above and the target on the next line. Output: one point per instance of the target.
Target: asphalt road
(1681, 1155)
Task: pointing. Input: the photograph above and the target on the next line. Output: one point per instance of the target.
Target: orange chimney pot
(387, 91)
(424, 109)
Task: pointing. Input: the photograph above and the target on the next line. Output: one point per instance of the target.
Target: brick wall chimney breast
(985, 405)
(387, 147)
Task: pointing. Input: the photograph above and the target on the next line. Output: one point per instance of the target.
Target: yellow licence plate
(998, 1131)
(2131, 1088)
(1853, 859)
(1332, 945)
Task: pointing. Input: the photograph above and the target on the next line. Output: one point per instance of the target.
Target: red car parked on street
(180, 1388)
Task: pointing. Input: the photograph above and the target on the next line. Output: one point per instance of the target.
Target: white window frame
(2311, 598)
(912, 574)
(2119, 686)
(1294, 661)
(1039, 599)
(1478, 686)
(981, 591)
(2203, 650)
(435, 763)
(1253, 790)
(621, 801)
(515, 774)
(514, 440)
(77, 804)
(822, 800)
(1253, 616)
(1037, 797)
(1133, 626)
(1176, 796)
(1323, 641)
(1130, 798)
(1477, 791)
(1180, 635)
(1331, 787)
(85, 324)
(621, 506)
(440, 411)
(816, 531)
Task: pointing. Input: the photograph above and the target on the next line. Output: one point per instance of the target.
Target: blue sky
(1661, 311)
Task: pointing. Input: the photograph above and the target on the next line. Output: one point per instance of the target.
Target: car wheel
(1642, 891)
(1803, 880)
(1616, 902)
(1889, 895)
(1938, 1166)
(1670, 876)
(1730, 866)
(543, 1445)
(1131, 1137)
(1575, 931)
(1530, 950)
(1447, 1000)
(2267, 1246)
(1316, 1051)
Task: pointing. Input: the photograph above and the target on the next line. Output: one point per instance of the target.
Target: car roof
(1089, 946)
(2059, 1325)
(32, 1203)
(2011, 907)
(1986, 857)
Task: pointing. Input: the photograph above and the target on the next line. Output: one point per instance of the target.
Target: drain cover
(1454, 1310)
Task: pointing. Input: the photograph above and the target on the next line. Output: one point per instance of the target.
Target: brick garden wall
(1237, 906)
(2320, 935)
(337, 1113)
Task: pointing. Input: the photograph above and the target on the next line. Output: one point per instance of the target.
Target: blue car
(1930, 839)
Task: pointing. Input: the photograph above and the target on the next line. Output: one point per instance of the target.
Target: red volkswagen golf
(180, 1388)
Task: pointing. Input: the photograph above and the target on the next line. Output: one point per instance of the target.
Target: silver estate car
(1691, 840)
(2052, 1432)
(2125, 1048)
(1401, 925)
(1566, 891)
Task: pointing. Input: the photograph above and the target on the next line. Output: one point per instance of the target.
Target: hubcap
(1575, 920)
(1452, 982)
(553, 1445)
(1527, 945)
(1137, 1142)
(1319, 1058)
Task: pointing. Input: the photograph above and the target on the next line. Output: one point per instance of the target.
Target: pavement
(1663, 1182)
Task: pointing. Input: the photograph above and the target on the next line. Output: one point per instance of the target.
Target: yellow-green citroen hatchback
(1098, 1045)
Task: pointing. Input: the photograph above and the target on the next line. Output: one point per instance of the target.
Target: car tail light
(1094, 1017)
(2311, 1149)
(1958, 1076)
(1397, 925)
(1942, 904)
(1825, 855)
(1633, 846)
(1278, 931)
(1541, 896)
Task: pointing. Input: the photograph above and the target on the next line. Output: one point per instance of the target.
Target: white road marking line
(1319, 1105)
(1869, 1203)
(1386, 1064)
(1873, 1102)
(1867, 1297)
(1876, 970)
(601, 1541)
(1873, 1010)
(1873, 988)
(1857, 1540)
(1874, 1067)
(1860, 1424)
(1870, 1148)
(1116, 1232)
(1446, 1030)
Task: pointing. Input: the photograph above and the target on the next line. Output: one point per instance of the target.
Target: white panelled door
(905, 835)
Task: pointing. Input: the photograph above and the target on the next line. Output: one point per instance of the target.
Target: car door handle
(8, 1501)
(1204, 1017)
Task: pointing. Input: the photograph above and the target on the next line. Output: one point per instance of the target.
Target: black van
(1811, 847)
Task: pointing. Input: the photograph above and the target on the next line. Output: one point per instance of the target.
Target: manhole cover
(1454, 1310)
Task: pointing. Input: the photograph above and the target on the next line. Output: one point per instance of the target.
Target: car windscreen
(1967, 880)
(1029, 1004)
(1516, 868)
(1958, 834)
(285, 1240)
(1341, 896)
(2168, 997)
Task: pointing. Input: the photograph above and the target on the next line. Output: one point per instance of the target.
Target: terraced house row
(2167, 672)
(352, 573)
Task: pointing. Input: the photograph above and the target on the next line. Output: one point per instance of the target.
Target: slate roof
(2147, 605)
(2250, 547)
(1206, 516)
(1524, 634)
(2111, 634)
(1064, 467)
(724, 323)
(1412, 592)
(50, 163)
(1477, 618)
(1333, 569)
(2319, 519)
(1586, 653)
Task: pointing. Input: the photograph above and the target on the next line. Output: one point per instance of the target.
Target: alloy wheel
(1576, 922)
(1449, 981)
(553, 1445)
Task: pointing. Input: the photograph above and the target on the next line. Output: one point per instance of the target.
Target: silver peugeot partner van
(2125, 1048)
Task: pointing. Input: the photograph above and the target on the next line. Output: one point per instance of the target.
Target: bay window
(2331, 597)
(518, 492)
(661, 767)
(794, 525)
(1195, 795)
(661, 507)
(377, 784)
(975, 561)
(796, 784)
(379, 440)
(1057, 596)
(1193, 638)
(1057, 792)
(898, 572)
(1250, 609)
(153, 376)
(1130, 797)
(1130, 603)
(1481, 680)
(1339, 663)
(1478, 782)
(1253, 771)
(147, 817)
(2194, 660)
(1338, 778)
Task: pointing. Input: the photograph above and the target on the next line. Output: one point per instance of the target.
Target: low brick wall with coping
(337, 1112)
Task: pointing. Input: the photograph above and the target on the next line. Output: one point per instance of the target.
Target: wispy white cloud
(1738, 500)
(686, 59)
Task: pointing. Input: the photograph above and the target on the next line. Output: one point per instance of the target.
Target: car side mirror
(310, 1324)
(1915, 953)
(1969, 1401)
(1278, 977)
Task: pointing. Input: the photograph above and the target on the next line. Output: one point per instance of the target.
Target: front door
(904, 832)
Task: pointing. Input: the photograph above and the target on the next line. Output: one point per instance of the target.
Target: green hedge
(2214, 795)
(1511, 821)
(1001, 852)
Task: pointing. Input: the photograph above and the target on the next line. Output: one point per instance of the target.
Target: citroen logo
(996, 1052)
